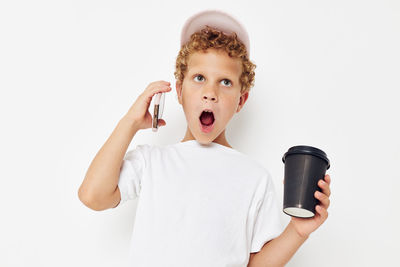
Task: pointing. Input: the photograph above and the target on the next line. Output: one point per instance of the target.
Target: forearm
(102, 176)
(280, 250)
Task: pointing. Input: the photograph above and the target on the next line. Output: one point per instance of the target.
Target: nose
(209, 95)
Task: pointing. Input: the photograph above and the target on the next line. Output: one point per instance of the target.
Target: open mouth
(207, 118)
(207, 121)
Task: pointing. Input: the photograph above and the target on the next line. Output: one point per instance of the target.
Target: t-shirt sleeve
(131, 173)
(267, 223)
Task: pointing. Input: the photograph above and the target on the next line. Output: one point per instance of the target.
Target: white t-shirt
(198, 205)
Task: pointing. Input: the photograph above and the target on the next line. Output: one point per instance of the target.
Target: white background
(327, 75)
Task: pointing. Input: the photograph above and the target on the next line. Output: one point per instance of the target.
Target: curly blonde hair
(212, 38)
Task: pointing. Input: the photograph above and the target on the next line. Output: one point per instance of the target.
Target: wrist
(297, 233)
(129, 122)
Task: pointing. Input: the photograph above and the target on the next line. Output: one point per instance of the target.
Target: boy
(200, 202)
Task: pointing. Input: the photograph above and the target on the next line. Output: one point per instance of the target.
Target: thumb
(162, 122)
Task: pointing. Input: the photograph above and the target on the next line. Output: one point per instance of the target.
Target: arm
(278, 251)
(99, 189)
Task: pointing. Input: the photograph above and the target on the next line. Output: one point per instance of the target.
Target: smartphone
(159, 100)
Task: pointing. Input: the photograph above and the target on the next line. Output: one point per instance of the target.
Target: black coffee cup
(304, 167)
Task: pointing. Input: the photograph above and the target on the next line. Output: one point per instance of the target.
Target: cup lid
(307, 150)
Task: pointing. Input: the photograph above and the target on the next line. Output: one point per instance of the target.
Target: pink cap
(216, 19)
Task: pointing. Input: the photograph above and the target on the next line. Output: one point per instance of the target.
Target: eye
(228, 81)
(198, 75)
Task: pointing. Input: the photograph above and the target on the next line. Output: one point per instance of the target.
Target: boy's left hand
(305, 226)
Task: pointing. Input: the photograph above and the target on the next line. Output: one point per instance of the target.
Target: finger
(160, 82)
(322, 211)
(157, 85)
(328, 179)
(160, 89)
(150, 92)
(325, 187)
(324, 199)
(161, 122)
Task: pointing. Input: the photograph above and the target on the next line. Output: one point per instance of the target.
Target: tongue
(207, 118)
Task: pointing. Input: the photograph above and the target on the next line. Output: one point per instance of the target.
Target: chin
(204, 140)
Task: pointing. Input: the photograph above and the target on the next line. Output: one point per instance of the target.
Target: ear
(178, 87)
(242, 100)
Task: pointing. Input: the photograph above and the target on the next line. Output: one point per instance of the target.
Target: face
(211, 82)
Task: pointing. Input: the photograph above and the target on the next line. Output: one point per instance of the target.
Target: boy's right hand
(139, 113)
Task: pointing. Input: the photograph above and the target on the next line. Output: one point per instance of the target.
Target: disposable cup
(304, 167)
